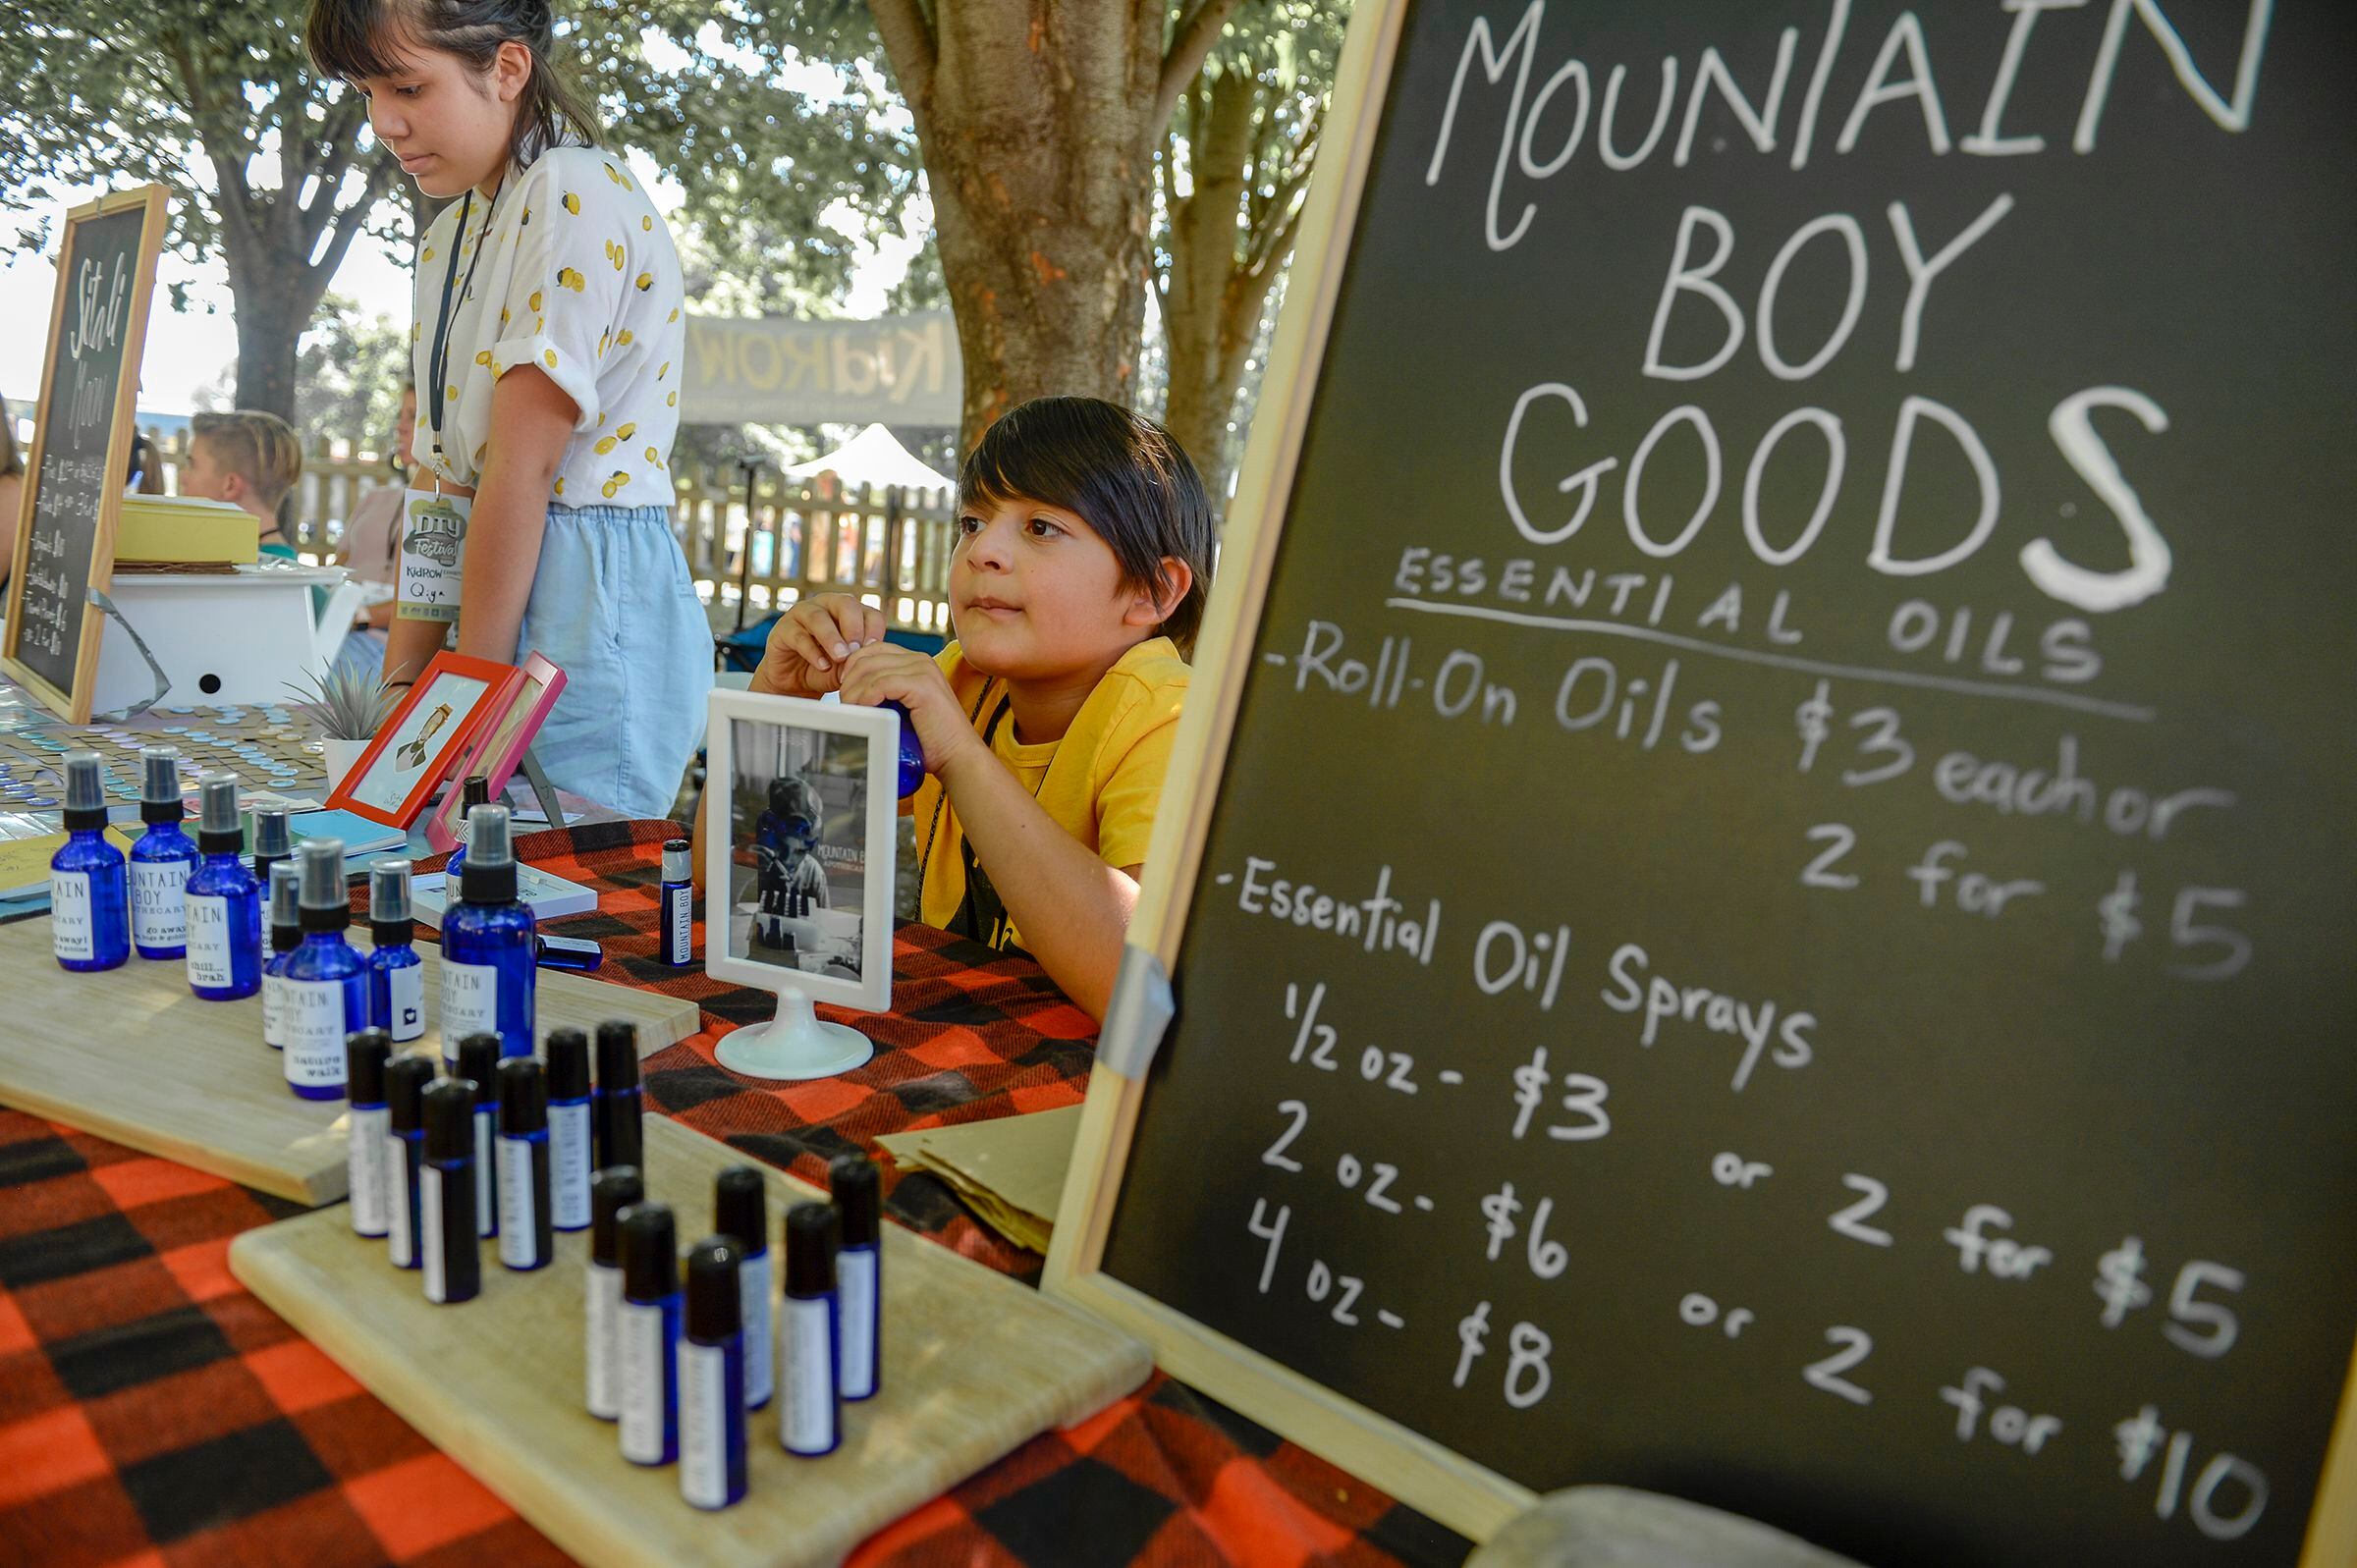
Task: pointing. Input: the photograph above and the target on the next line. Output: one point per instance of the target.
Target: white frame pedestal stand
(794, 1045)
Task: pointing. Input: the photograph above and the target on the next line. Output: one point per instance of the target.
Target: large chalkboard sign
(82, 447)
(1759, 889)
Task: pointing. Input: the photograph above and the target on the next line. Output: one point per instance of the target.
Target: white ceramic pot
(341, 755)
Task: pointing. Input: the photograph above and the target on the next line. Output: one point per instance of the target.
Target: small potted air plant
(350, 705)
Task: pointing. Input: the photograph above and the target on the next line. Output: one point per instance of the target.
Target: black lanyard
(437, 359)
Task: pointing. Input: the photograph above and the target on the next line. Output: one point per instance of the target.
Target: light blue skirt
(613, 607)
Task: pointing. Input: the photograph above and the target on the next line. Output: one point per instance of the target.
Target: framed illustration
(512, 719)
(798, 872)
(443, 715)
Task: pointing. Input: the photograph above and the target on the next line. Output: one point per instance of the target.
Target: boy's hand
(808, 645)
(886, 672)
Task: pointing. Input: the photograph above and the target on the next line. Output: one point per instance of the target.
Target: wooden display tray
(974, 1364)
(133, 1055)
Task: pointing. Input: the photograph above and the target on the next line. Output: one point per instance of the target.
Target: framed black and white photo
(798, 868)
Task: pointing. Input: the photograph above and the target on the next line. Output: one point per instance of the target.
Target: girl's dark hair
(356, 38)
(1121, 472)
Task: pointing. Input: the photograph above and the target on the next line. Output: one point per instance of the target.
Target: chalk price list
(2191, 1302)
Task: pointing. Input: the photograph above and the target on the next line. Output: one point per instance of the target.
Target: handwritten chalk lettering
(2065, 647)
(1856, 1345)
(1527, 1374)
(2009, 1425)
(1471, 1331)
(1314, 1039)
(1661, 1000)
(1584, 1096)
(2190, 928)
(2139, 1438)
(1350, 1170)
(1344, 1288)
(1731, 1169)
(2203, 1329)
(1504, 957)
(98, 305)
(1594, 697)
(1881, 739)
(1851, 1222)
(1973, 892)
(1977, 1245)
(1378, 921)
(1457, 689)
(1964, 779)
(1698, 1311)
(1272, 1232)
(1391, 1069)
(1275, 1155)
(1497, 1211)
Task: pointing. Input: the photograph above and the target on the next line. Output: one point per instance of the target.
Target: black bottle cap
(366, 1054)
(523, 1097)
(218, 830)
(159, 785)
(282, 885)
(273, 833)
(650, 1252)
(327, 902)
(617, 1056)
(404, 1092)
(715, 1308)
(450, 1120)
(858, 1189)
(390, 921)
(810, 1237)
(489, 874)
(611, 1191)
(567, 1065)
(86, 792)
(475, 792)
(478, 1059)
(740, 1207)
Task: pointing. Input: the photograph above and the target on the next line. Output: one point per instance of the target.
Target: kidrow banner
(900, 370)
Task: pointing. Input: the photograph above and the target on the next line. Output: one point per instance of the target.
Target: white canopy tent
(872, 458)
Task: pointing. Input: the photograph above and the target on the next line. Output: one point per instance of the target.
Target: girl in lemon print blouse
(548, 351)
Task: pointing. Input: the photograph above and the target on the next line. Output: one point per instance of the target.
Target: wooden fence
(891, 547)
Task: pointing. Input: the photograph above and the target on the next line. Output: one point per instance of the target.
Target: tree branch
(1190, 45)
(909, 42)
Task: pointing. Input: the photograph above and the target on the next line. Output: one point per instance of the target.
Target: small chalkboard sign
(1759, 884)
(82, 447)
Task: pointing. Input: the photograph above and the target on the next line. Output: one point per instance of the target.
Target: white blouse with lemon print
(576, 276)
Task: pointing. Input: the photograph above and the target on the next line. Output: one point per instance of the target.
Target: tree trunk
(1038, 125)
(1212, 309)
(270, 325)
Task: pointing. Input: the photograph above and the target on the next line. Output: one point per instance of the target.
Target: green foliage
(348, 374)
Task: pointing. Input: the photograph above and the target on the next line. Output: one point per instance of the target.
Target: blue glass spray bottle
(281, 909)
(273, 844)
(89, 892)
(324, 995)
(160, 862)
(489, 956)
(224, 901)
(396, 974)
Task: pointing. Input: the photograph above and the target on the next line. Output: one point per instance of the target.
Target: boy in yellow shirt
(1075, 589)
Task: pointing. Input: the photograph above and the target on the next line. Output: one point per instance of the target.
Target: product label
(274, 1011)
(760, 1348)
(210, 940)
(433, 556)
(429, 1214)
(364, 1161)
(856, 1288)
(703, 1425)
(159, 911)
(806, 1422)
(681, 926)
(601, 1308)
(312, 1025)
(519, 1218)
(646, 1368)
(486, 1203)
(403, 1235)
(470, 1003)
(70, 932)
(568, 1165)
(406, 987)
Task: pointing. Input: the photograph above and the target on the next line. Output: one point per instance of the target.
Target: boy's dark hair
(356, 38)
(1121, 472)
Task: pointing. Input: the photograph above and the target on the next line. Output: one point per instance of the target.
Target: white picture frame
(802, 928)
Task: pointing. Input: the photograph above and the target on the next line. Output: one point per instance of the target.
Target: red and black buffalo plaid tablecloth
(153, 1413)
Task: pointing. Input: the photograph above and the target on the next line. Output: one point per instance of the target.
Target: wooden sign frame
(1467, 1498)
(74, 706)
